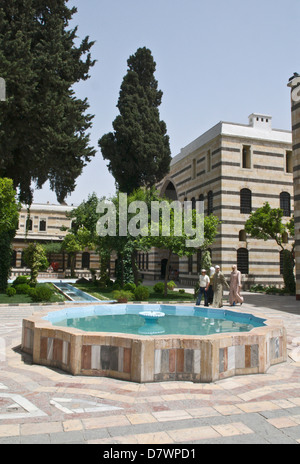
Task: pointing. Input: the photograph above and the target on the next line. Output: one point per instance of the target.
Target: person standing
(204, 282)
(235, 287)
(218, 284)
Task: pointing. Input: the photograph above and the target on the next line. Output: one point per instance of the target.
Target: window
(29, 224)
(285, 203)
(246, 157)
(289, 161)
(85, 260)
(210, 203)
(242, 236)
(208, 161)
(193, 203)
(194, 169)
(245, 201)
(43, 225)
(14, 259)
(243, 260)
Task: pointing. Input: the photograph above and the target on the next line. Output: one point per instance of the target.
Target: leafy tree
(138, 150)
(36, 259)
(73, 243)
(266, 224)
(9, 216)
(43, 126)
(177, 244)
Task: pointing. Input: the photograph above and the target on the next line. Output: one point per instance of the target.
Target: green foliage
(9, 215)
(21, 280)
(35, 258)
(122, 296)
(130, 286)
(40, 294)
(141, 293)
(159, 287)
(266, 223)
(11, 291)
(171, 285)
(22, 289)
(138, 150)
(288, 272)
(182, 291)
(43, 125)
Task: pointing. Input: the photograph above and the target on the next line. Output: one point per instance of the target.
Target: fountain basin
(149, 358)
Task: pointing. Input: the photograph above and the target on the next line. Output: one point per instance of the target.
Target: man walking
(204, 282)
(218, 283)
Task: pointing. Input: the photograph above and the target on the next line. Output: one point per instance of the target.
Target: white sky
(215, 60)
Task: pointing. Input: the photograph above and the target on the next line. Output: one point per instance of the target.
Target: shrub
(141, 293)
(122, 296)
(22, 289)
(159, 287)
(21, 280)
(181, 290)
(42, 293)
(130, 286)
(11, 291)
(171, 285)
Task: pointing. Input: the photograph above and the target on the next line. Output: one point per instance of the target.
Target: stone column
(294, 84)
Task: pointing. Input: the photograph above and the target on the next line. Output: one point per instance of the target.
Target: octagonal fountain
(148, 343)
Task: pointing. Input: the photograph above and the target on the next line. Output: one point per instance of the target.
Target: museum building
(234, 169)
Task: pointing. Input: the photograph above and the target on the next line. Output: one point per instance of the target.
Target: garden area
(131, 292)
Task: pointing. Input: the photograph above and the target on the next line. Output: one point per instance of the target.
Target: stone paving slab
(48, 406)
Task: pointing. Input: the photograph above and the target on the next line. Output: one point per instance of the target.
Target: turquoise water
(181, 320)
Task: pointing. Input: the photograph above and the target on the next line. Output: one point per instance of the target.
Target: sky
(216, 60)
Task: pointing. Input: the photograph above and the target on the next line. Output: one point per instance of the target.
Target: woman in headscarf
(235, 287)
(218, 282)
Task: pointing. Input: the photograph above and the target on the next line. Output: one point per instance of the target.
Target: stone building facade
(234, 169)
(43, 225)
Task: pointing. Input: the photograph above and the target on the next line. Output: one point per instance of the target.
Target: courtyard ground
(47, 406)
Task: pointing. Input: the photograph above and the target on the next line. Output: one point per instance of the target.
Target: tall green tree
(266, 223)
(138, 149)
(9, 216)
(43, 126)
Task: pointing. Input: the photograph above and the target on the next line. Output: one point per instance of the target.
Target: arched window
(243, 260)
(285, 203)
(193, 203)
(85, 260)
(245, 201)
(210, 202)
(242, 235)
(42, 225)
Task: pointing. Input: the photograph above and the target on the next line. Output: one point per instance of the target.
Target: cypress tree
(138, 150)
(42, 124)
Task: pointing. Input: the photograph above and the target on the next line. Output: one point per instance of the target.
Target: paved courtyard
(43, 405)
